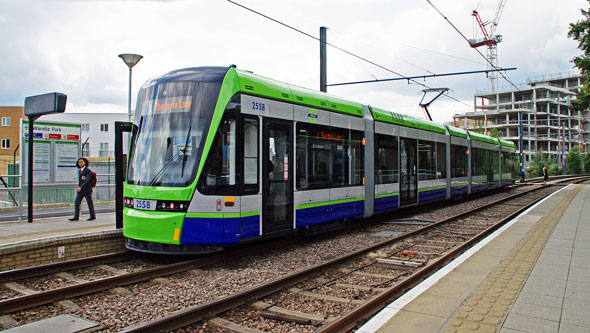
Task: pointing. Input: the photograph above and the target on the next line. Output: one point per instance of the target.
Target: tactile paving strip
(487, 309)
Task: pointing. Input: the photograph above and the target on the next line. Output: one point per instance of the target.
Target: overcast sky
(72, 46)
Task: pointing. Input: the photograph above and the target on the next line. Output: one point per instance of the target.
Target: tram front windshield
(172, 119)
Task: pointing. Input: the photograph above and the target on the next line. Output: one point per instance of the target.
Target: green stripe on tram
(432, 188)
(248, 214)
(229, 87)
(385, 195)
(222, 215)
(327, 203)
(261, 86)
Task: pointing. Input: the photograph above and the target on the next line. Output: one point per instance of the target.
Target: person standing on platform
(522, 175)
(84, 190)
(545, 174)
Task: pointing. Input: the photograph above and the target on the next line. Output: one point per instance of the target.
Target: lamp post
(130, 60)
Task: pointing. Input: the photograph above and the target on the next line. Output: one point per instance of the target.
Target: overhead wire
(343, 50)
(370, 46)
(446, 55)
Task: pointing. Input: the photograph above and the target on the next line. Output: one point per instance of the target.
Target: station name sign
(50, 131)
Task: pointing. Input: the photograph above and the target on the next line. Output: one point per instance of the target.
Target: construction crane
(491, 40)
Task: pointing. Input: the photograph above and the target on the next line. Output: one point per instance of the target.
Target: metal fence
(14, 195)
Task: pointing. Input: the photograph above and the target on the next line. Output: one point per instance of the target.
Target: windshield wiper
(157, 180)
(188, 135)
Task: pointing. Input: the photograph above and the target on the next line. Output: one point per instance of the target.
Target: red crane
(490, 39)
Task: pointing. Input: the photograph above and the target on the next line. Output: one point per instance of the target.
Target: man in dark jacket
(84, 189)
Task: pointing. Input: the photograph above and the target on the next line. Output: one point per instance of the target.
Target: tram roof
(458, 132)
(253, 84)
(405, 120)
(507, 143)
(483, 138)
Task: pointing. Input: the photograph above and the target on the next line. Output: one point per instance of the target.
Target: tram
(220, 156)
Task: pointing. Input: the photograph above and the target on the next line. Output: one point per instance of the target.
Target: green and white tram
(221, 156)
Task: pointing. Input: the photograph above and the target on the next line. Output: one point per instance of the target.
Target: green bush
(587, 163)
(573, 163)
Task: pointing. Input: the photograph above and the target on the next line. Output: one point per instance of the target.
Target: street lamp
(130, 60)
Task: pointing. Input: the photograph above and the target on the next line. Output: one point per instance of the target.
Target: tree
(553, 167)
(494, 133)
(479, 130)
(535, 168)
(580, 31)
(587, 163)
(573, 163)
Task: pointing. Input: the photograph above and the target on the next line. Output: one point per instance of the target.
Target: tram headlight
(172, 206)
(128, 202)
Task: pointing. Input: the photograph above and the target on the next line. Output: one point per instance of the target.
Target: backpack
(93, 179)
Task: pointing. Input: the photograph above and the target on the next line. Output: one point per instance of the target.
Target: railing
(554, 76)
(501, 89)
(14, 194)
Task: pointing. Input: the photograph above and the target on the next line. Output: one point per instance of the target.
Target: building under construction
(549, 124)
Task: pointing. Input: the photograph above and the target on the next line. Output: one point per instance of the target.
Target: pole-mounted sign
(45, 104)
(36, 106)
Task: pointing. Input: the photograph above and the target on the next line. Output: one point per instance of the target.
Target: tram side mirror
(45, 104)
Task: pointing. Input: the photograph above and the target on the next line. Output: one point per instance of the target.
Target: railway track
(408, 257)
(25, 298)
(335, 296)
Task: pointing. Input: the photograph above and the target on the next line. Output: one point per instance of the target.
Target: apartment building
(549, 124)
(9, 134)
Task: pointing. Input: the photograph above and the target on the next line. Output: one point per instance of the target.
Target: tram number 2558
(258, 106)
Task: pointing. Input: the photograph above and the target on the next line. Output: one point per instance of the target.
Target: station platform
(532, 275)
(17, 232)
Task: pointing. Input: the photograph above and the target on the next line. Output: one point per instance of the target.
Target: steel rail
(34, 271)
(559, 178)
(50, 296)
(192, 315)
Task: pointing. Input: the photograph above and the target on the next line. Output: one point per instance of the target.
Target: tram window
(250, 142)
(356, 161)
(386, 159)
(426, 162)
(328, 157)
(512, 165)
(496, 161)
(219, 173)
(507, 164)
(480, 162)
(441, 160)
(458, 161)
(340, 166)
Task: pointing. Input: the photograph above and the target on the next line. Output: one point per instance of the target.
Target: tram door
(277, 166)
(408, 186)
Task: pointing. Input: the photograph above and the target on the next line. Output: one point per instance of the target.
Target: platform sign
(65, 158)
(56, 150)
(41, 160)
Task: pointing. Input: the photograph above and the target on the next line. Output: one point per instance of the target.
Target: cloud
(72, 46)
